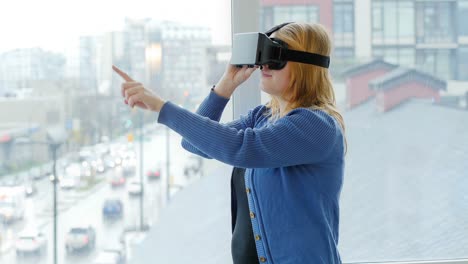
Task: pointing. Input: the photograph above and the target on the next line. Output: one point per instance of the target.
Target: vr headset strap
(272, 30)
(306, 57)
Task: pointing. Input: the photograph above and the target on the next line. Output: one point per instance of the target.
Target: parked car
(112, 208)
(30, 188)
(31, 242)
(110, 256)
(154, 174)
(128, 170)
(80, 238)
(67, 183)
(109, 162)
(46, 169)
(134, 187)
(117, 180)
(35, 173)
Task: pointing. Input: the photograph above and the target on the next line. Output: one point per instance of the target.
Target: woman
(286, 203)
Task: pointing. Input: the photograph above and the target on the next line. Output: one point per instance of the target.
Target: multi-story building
(88, 65)
(343, 29)
(274, 12)
(183, 60)
(135, 47)
(21, 67)
(337, 16)
(428, 35)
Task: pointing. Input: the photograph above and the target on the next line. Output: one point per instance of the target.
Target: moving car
(154, 174)
(80, 238)
(30, 188)
(12, 204)
(67, 183)
(134, 187)
(129, 167)
(112, 208)
(30, 242)
(117, 181)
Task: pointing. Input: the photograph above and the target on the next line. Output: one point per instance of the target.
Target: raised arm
(301, 137)
(213, 106)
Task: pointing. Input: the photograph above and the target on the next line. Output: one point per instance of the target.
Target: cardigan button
(257, 237)
(262, 259)
(247, 190)
(252, 215)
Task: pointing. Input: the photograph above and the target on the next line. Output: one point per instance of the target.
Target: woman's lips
(265, 74)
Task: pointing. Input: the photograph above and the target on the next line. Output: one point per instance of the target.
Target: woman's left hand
(136, 94)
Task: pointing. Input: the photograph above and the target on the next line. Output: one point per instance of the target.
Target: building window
(393, 22)
(274, 15)
(343, 24)
(435, 22)
(437, 62)
(344, 53)
(463, 63)
(396, 55)
(463, 17)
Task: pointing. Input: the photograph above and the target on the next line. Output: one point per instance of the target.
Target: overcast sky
(52, 24)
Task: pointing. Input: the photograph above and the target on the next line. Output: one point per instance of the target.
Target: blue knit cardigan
(294, 173)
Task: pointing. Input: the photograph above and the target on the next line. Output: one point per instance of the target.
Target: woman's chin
(264, 86)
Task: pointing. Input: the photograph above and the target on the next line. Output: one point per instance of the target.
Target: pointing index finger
(122, 74)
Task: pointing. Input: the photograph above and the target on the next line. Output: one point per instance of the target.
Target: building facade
(430, 36)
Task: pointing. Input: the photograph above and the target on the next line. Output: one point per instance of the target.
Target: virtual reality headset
(256, 48)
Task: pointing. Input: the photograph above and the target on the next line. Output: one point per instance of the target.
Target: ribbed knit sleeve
(213, 107)
(301, 137)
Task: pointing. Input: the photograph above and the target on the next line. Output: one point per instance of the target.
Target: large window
(55, 74)
(404, 56)
(274, 15)
(435, 21)
(124, 181)
(392, 22)
(463, 18)
(463, 63)
(440, 62)
(343, 23)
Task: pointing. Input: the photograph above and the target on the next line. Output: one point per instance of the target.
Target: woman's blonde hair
(310, 85)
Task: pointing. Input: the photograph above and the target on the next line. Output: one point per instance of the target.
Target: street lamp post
(53, 149)
(168, 194)
(141, 172)
(55, 138)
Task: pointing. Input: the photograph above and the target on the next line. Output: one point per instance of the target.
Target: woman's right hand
(232, 78)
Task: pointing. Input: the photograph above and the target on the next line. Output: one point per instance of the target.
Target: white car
(67, 183)
(134, 187)
(31, 242)
(80, 238)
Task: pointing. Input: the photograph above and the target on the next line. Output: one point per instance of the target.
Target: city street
(85, 207)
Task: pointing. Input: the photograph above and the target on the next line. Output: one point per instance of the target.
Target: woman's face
(275, 82)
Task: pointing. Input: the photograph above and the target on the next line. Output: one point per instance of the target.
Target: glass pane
(400, 197)
(390, 27)
(463, 60)
(463, 17)
(438, 21)
(56, 81)
(406, 21)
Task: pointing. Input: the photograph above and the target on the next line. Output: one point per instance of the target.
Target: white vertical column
(245, 18)
(362, 16)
